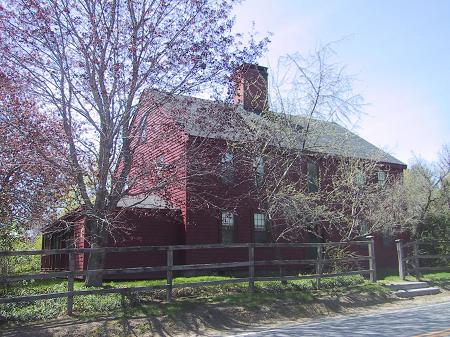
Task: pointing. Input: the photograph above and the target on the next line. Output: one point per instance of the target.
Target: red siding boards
(146, 228)
(164, 153)
(138, 227)
(64, 233)
(203, 225)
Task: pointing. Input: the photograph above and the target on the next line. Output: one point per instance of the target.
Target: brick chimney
(251, 87)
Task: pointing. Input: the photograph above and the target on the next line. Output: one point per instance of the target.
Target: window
(161, 161)
(360, 178)
(227, 167)
(260, 226)
(313, 176)
(227, 227)
(387, 238)
(143, 135)
(364, 227)
(126, 186)
(381, 178)
(160, 165)
(258, 165)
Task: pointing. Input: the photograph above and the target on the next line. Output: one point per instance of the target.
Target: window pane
(364, 227)
(227, 227)
(387, 238)
(227, 219)
(227, 234)
(227, 157)
(360, 178)
(260, 236)
(312, 173)
(259, 169)
(259, 221)
(381, 178)
(227, 167)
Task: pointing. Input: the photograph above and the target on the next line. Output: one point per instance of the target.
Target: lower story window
(227, 227)
(260, 226)
(387, 238)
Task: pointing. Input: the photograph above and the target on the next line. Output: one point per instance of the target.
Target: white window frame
(360, 178)
(227, 224)
(144, 132)
(227, 167)
(312, 181)
(259, 166)
(227, 219)
(259, 218)
(381, 181)
(228, 158)
(161, 165)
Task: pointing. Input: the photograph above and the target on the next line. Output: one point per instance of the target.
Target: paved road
(431, 320)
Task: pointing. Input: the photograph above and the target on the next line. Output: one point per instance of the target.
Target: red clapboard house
(186, 138)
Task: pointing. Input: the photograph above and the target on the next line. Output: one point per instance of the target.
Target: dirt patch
(222, 318)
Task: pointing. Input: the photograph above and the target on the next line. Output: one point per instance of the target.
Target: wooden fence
(410, 255)
(320, 262)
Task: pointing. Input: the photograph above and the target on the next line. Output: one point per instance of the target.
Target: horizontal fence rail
(410, 255)
(177, 247)
(169, 268)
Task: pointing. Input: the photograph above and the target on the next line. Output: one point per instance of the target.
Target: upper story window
(160, 165)
(388, 237)
(227, 167)
(227, 227)
(381, 178)
(161, 161)
(364, 227)
(259, 166)
(143, 131)
(360, 178)
(260, 226)
(313, 176)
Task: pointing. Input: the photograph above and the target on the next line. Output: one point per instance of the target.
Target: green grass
(153, 303)
(441, 276)
(437, 277)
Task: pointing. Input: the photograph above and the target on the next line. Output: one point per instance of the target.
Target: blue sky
(399, 51)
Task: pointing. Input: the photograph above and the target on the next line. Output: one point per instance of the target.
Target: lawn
(153, 303)
(436, 277)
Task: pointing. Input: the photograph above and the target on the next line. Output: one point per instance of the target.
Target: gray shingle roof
(205, 118)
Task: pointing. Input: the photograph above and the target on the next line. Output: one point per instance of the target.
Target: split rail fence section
(320, 262)
(411, 254)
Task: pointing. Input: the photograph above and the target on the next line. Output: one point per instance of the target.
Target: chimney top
(251, 87)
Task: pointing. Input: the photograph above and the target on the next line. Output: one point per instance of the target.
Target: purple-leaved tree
(89, 61)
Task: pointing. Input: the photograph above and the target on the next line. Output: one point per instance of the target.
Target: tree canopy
(33, 163)
(89, 61)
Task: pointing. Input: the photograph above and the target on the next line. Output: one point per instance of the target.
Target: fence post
(251, 267)
(372, 262)
(401, 270)
(169, 273)
(416, 260)
(280, 266)
(70, 283)
(319, 266)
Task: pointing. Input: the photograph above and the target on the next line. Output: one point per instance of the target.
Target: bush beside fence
(319, 264)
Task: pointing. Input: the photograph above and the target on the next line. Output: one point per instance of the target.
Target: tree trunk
(96, 261)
